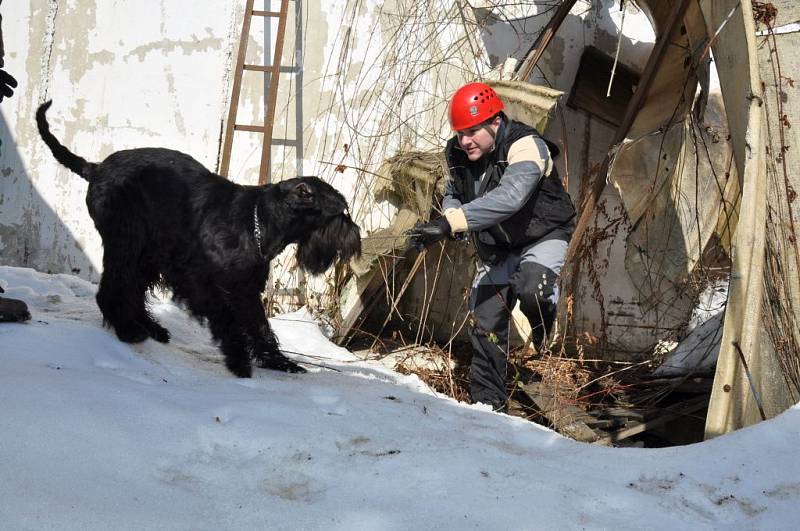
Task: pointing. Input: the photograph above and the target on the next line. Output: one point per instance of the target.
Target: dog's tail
(63, 155)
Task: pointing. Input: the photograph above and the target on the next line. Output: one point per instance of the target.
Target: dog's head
(323, 229)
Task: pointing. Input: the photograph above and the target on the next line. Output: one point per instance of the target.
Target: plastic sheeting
(677, 194)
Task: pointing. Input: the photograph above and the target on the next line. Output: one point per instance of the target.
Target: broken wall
(632, 280)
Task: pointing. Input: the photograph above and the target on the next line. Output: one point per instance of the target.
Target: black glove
(425, 234)
(7, 83)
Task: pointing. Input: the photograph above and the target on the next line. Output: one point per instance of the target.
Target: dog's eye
(303, 190)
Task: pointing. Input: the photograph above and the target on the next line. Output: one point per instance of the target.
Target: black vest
(547, 215)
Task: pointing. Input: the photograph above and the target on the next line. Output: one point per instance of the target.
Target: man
(10, 309)
(7, 81)
(503, 191)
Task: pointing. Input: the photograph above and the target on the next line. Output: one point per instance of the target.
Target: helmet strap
(487, 126)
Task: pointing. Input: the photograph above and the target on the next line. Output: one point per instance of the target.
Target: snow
(97, 434)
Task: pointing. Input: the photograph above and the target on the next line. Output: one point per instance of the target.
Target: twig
(750, 380)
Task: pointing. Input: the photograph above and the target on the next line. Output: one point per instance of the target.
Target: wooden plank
(258, 13)
(272, 69)
(249, 128)
(396, 299)
(367, 300)
(639, 415)
(567, 419)
(635, 428)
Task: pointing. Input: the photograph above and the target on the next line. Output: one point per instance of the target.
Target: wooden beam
(249, 128)
(368, 299)
(272, 69)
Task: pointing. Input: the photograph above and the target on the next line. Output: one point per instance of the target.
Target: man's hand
(7, 84)
(425, 234)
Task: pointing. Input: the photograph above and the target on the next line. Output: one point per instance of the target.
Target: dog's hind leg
(149, 277)
(121, 296)
(119, 311)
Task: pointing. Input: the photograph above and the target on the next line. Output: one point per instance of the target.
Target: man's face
(478, 141)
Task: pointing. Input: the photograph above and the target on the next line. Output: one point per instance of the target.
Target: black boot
(13, 310)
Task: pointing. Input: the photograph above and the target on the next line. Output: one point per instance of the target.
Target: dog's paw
(240, 370)
(131, 334)
(158, 332)
(281, 364)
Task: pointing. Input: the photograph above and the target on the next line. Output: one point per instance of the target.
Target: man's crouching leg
(488, 333)
(536, 287)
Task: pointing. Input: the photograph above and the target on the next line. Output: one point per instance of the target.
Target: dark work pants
(494, 293)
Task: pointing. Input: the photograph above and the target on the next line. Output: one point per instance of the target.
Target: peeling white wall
(121, 74)
(374, 78)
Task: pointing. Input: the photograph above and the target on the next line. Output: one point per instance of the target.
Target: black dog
(164, 218)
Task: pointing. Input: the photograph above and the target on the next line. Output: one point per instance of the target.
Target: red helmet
(473, 104)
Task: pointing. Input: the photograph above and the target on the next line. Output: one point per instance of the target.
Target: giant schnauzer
(165, 219)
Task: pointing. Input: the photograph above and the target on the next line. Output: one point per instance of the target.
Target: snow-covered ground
(97, 434)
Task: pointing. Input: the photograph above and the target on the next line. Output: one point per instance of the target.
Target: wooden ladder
(273, 71)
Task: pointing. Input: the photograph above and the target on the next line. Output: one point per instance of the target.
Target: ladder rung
(261, 129)
(266, 13)
(262, 68)
(250, 128)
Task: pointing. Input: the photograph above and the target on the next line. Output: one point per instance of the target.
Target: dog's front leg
(267, 352)
(261, 340)
(232, 342)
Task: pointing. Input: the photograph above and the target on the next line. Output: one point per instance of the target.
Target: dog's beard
(338, 238)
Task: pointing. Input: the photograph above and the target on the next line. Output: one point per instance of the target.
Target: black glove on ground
(7, 84)
(425, 234)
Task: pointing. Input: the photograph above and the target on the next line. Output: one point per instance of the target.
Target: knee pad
(535, 286)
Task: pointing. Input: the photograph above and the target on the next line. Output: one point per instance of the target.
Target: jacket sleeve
(449, 201)
(528, 161)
